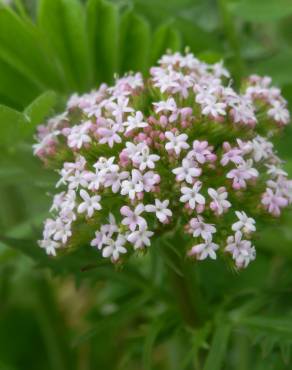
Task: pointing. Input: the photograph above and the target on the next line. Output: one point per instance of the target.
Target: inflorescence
(181, 149)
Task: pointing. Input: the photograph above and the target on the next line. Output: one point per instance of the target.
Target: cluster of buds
(179, 150)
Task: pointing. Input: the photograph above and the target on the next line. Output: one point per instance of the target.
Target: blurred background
(68, 314)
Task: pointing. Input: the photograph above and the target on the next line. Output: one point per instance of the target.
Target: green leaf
(16, 126)
(63, 23)
(103, 33)
(281, 326)
(261, 10)
(272, 331)
(23, 49)
(277, 66)
(124, 314)
(28, 247)
(15, 89)
(134, 43)
(166, 37)
(12, 125)
(218, 347)
(150, 338)
(40, 108)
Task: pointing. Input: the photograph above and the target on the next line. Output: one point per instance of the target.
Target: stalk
(182, 274)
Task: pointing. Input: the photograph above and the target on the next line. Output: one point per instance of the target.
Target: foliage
(129, 319)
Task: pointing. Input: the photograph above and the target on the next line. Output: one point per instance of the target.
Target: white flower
(169, 105)
(204, 250)
(106, 232)
(119, 107)
(113, 248)
(60, 230)
(188, 171)
(104, 165)
(133, 219)
(275, 171)
(219, 202)
(114, 179)
(77, 179)
(176, 142)
(50, 246)
(134, 122)
(133, 186)
(160, 209)
(199, 228)
(133, 150)
(243, 172)
(261, 148)
(213, 108)
(279, 112)
(192, 195)
(245, 223)
(150, 179)
(94, 180)
(140, 238)
(79, 135)
(242, 251)
(90, 204)
(144, 159)
(109, 135)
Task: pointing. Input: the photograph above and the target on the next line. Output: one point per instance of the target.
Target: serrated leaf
(218, 347)
(166, 37)
(134, 43)
(40, 108)
(103, 34)
(63, 23)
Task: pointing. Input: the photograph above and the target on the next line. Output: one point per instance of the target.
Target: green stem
(182, 275)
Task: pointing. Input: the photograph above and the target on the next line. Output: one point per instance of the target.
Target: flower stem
(182, 274)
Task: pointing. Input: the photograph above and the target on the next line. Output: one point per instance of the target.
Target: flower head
(180, 150)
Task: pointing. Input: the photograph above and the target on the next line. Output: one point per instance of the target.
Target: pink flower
(231, 155)
(199, 228)
(176, 142)
(279, 112)
(242, 251)
(214, 108)
(141, 237)
(204, 250)
(89, 204)
(160, 209)
(201, 152)
(132, 218)
(133, 185)
(192, 195)
(188, 171)
(79, 135)
(274, 201)
(109, 135)
(219, 203)
(242, 173)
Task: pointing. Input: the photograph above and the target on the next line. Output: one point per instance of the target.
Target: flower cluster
(181, 150)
